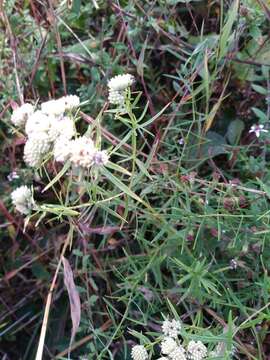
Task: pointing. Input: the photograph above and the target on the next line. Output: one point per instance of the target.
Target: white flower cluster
(171, 328)
(196, 350)
(59, 106)
(22, 199)
(80, 151)
(139, 353)
(21, 114)
(51, 129)
(118, 86)
(221, 351)
(171, 347)
(46, 126)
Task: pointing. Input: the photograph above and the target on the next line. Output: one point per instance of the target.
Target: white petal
(257, 133)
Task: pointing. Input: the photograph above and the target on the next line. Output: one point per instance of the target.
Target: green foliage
(169, 227)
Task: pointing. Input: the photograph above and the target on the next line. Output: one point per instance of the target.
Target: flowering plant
(174, 345)
(54, 146)
(50, 131)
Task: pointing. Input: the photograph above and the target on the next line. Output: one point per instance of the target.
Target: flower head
(22, 199)
(62, 149)
(117, 97)
(117, 88)
(121, 82)
(59, 106)
(21, 114)
(70, 101)
(101, 157)
(61, 127)
(36, 148)
(168, 345)
(181, 141)
(53, 107)
(196, 350)
(139, 352)
(178, 354)
(37, 122)
(233, 264)
(257, 129)
(12, 176)
(171, 328)
(82, 152)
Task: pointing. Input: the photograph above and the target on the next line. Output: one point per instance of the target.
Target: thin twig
(59, 45)
(48, 304)
(35, 67)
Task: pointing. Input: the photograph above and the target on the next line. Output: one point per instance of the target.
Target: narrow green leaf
(140, 64)
(226, 31)
(120, 185)
(58, 176)
(118, 168)
(143, 168)
(260, 114)
(155, 117)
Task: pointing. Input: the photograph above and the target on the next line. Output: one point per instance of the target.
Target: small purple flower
(257, 129)
(181, 141)
(13, 175)
(233, 264)
(147, 293)
(101, 158)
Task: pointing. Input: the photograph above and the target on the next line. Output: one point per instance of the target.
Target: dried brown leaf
(74, 299)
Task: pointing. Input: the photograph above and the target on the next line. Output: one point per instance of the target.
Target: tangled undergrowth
(135, 179)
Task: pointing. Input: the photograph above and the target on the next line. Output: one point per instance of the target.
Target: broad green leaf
(260, 114)
(259, 89)
(39, 271)
(234, 131)
(76, 6)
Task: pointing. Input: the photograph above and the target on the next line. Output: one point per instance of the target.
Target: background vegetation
(200, 248)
